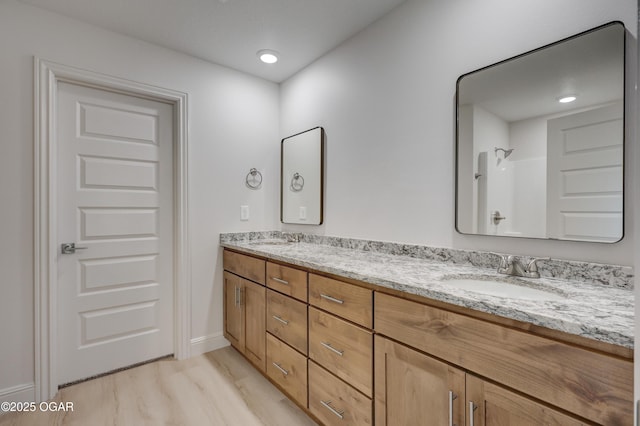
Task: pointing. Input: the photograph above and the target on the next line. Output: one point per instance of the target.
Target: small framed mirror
(302, 177)
(540, 142)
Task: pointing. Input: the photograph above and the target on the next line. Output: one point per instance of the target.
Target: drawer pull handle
(331, 299)
(452, 397)
(282, 370)
(328, 406)
(472, 408)
(279, 280)
(331, 348)
(277, 318)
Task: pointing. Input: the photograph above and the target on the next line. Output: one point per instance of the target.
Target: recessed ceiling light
(268, 56)
(566, 99)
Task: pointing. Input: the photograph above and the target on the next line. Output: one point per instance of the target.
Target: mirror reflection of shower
(507, 152)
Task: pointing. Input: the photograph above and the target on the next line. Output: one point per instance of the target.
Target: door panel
(584, 175)
(497, 406)
(114, 198)
(234, 313)
(104, 173)
(411, 387)
(253, 299)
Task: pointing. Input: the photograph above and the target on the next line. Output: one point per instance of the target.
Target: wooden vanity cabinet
(350, 355)
(591, 385)
(340, 352)
(244, 324)
(244, 307)
(415, 388)
(287, 330)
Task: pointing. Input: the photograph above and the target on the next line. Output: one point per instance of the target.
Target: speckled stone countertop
(588, 309)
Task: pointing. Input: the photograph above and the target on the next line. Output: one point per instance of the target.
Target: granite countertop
(590, 310)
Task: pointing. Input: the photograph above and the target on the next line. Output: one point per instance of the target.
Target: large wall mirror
(302, 174)
(540, 142)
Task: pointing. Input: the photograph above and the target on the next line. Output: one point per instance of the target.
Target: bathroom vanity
(364, 333)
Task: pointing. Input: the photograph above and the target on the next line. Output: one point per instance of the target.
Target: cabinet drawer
(287, 320)
(245, 266)
(334, 402)
(591, 384)
(344, 349)
(287, 368)
(346, 300)
(290, 281)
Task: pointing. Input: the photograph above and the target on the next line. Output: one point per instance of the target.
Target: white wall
(233, 126)
(386, 99)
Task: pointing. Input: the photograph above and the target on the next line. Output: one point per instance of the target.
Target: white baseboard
(203, 344)
(19, 393)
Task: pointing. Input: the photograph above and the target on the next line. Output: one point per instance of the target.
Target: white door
(584, 175)
(114, 199)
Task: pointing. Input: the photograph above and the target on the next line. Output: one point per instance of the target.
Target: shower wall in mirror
(540, 142)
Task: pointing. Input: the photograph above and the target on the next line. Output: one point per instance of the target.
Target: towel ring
(254, 179)
(297, 182)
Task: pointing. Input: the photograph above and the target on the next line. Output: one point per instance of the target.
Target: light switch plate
(244, 212)
(302, 213)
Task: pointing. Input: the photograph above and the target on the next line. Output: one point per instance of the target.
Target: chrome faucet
(512, 265)
(292, 237)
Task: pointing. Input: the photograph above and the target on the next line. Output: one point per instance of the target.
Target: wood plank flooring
(217, 388)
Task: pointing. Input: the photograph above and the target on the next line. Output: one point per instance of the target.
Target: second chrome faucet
(512, 265)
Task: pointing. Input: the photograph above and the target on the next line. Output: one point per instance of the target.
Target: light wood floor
(217, 388)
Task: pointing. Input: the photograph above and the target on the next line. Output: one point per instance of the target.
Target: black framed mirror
(302, 176)
(540, 142)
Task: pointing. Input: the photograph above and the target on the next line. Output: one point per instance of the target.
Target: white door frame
(47, 75)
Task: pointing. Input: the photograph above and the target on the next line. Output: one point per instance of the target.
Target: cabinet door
(412, 388)
(491, 405)
(233, 312)
(253, 299)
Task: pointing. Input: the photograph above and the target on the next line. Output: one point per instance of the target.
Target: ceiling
(230, 32)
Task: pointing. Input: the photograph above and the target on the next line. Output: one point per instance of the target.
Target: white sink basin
(502, 289)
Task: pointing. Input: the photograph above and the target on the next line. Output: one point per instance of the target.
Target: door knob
(70, 248)
(496, 217)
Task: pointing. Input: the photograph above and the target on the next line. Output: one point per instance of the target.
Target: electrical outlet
(244, 212)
